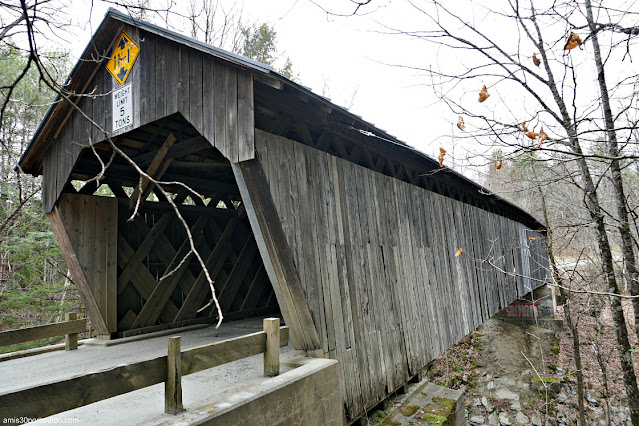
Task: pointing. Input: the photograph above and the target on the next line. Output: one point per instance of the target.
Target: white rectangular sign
(122, 107)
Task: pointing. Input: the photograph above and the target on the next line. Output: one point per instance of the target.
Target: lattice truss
(155, 284)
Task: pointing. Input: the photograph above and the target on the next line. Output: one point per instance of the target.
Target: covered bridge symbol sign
(123, 57)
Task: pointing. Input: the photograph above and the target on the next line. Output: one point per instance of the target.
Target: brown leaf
(542, 135)
(458, 252)
(573, 41)
(483, 95)
(523, 126)
(532, 238)
(536, 60)
(442, 152)
(531, 135)
(461, 123)
(498, 164)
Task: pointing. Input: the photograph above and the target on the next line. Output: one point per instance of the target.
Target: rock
(490, 386)
(476, 420)
(591, 399)
(521, 418)
(506, 394)
(487, 405)
(476, 402)
(492, 420)
(504, 419)
(515, 405)
(561, 398)
(535, 420)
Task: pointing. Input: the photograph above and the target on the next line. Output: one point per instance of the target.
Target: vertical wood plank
(71, 339)
(160, 77)
(245, 116)
(232, 130)
(272, 352)
(219, 87)
(195, 90)
(173, 384)
(209, 99)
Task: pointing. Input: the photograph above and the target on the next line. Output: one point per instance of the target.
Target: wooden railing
(59, 396)
(69, 328)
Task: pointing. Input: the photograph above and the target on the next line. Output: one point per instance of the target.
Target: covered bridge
(302, 208)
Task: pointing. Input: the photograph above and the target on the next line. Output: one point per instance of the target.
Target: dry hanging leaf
(536, 60)
(498, 164)
(523, 126)
(542, 135)
(442, 152)
(458, 252)
(573, 41)
(461, 123)
(483, 95)
(531, 135)
(532, 238)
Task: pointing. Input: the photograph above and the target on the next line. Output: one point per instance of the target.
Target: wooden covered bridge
(298, 207)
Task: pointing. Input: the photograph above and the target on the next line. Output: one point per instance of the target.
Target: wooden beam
(71, 338)
(304, 133)
(219, 353)
(63, 395)
(89, 188)
(149, 242)
(155, 170)
(272, 351)
(240, 269)
(142, 279)
(152, 206)
(173, 384)
(189, 146)
(28, 334)
(163, 290)
(52, 398)
(214, 263)
(255, 290)
(271, 82)
(276, 254)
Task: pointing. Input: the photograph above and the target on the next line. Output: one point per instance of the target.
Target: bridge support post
(272, 352)
(71, 339)
(173, 384)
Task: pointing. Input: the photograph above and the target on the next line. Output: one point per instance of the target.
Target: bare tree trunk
(615, 168)
(592, 202)
(567, 310)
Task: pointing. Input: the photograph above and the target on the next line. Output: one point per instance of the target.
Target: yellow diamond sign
(122, 58)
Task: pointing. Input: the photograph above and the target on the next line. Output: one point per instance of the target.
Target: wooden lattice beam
(155, 170)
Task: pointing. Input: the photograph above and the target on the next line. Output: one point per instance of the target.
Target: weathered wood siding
(168, 77)
(86, 229)
(376, 258)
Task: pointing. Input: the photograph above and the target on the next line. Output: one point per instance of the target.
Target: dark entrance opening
(160, 281)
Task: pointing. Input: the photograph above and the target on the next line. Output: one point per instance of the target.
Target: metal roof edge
(196, 44)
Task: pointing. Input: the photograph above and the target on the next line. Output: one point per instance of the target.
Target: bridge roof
(338, 119)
